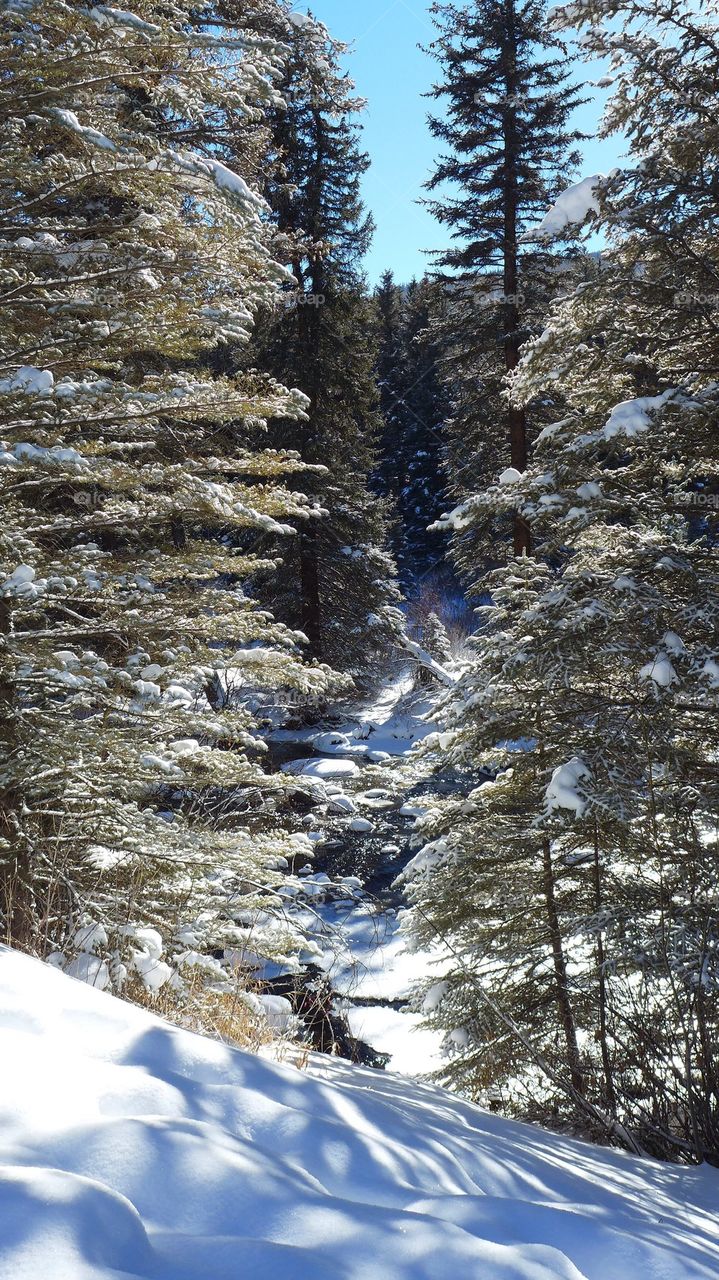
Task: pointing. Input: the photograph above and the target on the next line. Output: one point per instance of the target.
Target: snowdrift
(136, 1151)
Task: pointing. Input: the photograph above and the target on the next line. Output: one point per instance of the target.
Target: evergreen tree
(338, 582)
(508, 141)
(414, 406)
(424, 491)
(392, 383)
(127, 251)
(578, 884)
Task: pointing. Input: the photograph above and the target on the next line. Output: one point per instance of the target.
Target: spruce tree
(128, 250)
(509, 146)
(414, 405)
(392, 384)
(337, 583)
(577, 884)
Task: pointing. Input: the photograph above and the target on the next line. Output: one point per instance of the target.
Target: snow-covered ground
(390, 724)
(131, 1150)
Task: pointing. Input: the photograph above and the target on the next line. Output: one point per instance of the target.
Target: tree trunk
(310, 590)
(560, 974)
(513, 334)
(310, 345)
(602, 983)
(15, 890)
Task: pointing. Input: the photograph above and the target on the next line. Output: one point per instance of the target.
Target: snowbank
(131, 1149)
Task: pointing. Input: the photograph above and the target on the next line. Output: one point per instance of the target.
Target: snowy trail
(132, 1149)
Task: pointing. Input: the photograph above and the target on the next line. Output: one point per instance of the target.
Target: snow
(563, 790)
(321, 768)
(373, 962)
(29, 380)
(632, 417)
(88, 968)
(227, 180)
(674, 643)
(660, 671)
(571, 208)
(386, 728)
(426, 660)
(69, 120)
(106, 16)
(362, 826)
(710, 671)
(510, 476)
(90, 937)
(412, 1049)
(278, 1012)
(131, 1148)
(19, 577)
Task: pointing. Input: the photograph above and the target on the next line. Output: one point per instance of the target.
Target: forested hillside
(360, 635)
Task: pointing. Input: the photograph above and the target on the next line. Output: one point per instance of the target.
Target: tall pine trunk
(309, 556)
(15, 899)
(561, 982)
(602, 982)
(513, 337)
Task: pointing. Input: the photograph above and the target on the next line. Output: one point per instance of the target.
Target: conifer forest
(359, 647)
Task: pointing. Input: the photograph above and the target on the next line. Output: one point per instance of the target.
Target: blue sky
(392, 73)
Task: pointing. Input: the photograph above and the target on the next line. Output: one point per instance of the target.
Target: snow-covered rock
(129, 1148)
(362, 826)
(341, 804)
(335, 768)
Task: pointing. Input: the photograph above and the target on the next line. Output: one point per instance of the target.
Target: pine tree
(414, 405)
(128, 250)
(392, 383)
(338, 583)
(579, 880)
(508, 138)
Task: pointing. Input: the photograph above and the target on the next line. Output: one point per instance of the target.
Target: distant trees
(414, 404)
(576, 883)
(337, 581)
(128, 252)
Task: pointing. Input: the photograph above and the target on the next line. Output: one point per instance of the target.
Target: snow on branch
(69, 120)
(425, 660)
(571, 208)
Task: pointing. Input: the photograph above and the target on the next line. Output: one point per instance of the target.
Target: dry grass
(221, 1015)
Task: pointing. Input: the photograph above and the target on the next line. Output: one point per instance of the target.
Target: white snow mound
(571, 208)
(132, 1149)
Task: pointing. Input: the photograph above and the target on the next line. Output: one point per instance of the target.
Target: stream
(362, 785)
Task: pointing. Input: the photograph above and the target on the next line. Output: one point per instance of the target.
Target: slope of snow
(135, 1151)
